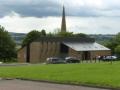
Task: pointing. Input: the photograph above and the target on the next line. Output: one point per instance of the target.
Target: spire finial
(63, 25)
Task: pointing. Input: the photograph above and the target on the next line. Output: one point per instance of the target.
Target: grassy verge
(100, 74)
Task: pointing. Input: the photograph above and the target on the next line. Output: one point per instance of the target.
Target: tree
(117, 39)
(81, 35)
(111, 44)
(7, 45)
(65, 34)
(114, 43)
(117, 50)
(34, 34)
(56, 31)
(43, 33)
(50, 34)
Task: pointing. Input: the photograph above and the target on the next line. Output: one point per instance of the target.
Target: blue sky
(83, 16)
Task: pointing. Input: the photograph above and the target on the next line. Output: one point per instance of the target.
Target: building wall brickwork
(93, 54)
(74, 53)
(22, 55)
(34, 52)
(49, 50)
(52, 49)
(100, 53)
(44, 51)
(57, 49)
(39, 51)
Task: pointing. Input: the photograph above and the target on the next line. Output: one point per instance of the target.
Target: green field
(99, 74)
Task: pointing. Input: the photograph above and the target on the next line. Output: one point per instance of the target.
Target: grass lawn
(99, 74)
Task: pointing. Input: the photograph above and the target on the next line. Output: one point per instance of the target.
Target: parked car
(55, 60)
(72, 60)
(108, 58)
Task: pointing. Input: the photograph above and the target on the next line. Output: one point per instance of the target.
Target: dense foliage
(117, 50)
(30, 37)
(114, 44)
(64, 34)
(70, 34)
(58, 33)
(7, 45)
(34, 34)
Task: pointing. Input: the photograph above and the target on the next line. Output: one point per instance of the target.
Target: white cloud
(96, 25)
(19, 24)
(86, 16)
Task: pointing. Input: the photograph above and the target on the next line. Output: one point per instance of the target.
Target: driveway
(31, 85)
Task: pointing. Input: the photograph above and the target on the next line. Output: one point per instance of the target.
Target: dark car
(55, 60)
(72, 60)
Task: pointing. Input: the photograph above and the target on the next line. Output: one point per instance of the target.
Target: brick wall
(99, 53)
(44, 51)
(93, 54)
(22, 55)
(34, 52)
(74, 53)
(40, 51)
(48, 54)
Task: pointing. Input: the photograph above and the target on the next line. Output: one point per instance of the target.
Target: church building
(83, 48)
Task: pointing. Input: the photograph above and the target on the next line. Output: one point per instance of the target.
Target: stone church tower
(63, 24)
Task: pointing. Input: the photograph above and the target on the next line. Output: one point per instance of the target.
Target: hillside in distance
(18, 37)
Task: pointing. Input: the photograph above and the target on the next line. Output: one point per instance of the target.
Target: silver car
(55, 60)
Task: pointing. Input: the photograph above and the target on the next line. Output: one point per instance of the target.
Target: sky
(82, 16)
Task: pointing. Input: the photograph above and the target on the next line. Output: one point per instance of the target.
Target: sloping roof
(86, 46)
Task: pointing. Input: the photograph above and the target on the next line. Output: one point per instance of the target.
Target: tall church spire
(63, 24)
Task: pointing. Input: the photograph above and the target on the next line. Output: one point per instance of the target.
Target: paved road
(31, 85)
